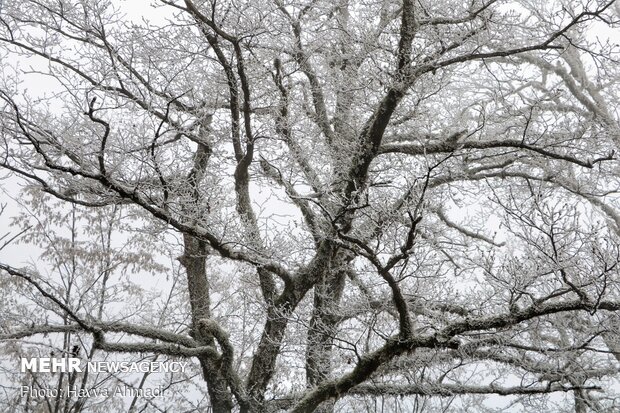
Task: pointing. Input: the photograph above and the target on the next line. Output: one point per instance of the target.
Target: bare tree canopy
(325, 206)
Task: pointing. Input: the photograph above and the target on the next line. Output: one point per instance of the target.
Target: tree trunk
(194, 261)
(322, 330)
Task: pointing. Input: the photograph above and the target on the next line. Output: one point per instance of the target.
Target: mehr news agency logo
(76, 365)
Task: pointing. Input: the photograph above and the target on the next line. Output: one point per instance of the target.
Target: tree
(408, 203)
